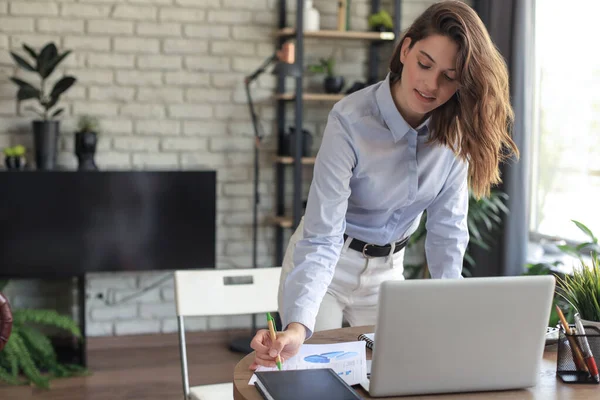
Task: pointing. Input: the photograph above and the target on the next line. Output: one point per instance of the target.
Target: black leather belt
(373, 250)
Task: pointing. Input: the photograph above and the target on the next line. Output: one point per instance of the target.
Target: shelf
(283, 222)
(333, 34)
(290, 160)
(311, 96)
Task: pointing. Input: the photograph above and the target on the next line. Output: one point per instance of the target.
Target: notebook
(303, 384)
(369, 338)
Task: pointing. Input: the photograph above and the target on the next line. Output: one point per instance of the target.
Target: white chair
(221, 292)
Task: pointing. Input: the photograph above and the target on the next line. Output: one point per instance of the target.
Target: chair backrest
(226, 292)
(221, 292)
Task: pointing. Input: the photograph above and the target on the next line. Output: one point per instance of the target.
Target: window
(566, 142)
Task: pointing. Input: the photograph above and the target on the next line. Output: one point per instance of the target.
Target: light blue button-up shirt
(374, 176)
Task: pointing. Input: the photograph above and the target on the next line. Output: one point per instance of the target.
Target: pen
(577, 357)
(587, 351)
(271, 323)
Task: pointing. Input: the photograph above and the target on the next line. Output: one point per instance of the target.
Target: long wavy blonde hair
(476, 122)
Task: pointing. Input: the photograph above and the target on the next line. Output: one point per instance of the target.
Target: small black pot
(15, 162)
(333, 84)
(85, 149)
(381, 28)
(45, 140)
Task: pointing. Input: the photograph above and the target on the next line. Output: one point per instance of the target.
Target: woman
(437, 126)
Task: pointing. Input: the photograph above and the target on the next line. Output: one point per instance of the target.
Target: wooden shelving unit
(290, 160)
(311, 96)
(332, 34)
(283, 222)
(295, 97)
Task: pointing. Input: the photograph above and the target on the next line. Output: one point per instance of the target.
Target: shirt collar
(392, 117)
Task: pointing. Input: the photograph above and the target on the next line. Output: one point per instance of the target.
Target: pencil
(586, 350)
(271, 323)
(577, 356)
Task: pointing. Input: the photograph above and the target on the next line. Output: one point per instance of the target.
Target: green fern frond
(11, 355)
(46, 317)
(8, 377)
(26, 362)
(38, 343)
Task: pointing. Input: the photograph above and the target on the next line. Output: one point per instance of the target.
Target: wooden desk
(549, 387)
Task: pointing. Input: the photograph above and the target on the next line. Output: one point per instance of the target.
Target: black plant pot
(85, 149)
(381, 28)
(333, 84)
(15, 162)
(45, 139)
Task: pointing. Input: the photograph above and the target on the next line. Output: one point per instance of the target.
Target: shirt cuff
(301, 316)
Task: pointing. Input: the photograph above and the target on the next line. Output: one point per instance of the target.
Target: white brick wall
(165, 77)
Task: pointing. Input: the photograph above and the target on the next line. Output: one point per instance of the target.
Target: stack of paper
(347, 359)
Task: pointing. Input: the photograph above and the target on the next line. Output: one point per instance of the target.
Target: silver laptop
(459, 335)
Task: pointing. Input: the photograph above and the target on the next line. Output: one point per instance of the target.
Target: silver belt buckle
(364, 250)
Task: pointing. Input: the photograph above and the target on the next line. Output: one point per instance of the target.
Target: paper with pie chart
(347, 359)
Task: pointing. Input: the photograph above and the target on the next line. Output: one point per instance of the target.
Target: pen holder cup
(567, 367)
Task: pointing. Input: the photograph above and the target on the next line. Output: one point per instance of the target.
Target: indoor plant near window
(582, 289)
(46, 128)
(331, 83)
(483, 218)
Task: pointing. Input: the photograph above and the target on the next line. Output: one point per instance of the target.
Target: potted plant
(381, 22)
(582, 291)
(86, 139)
(14, 157)
(28, 356)
(331, 83)
(46, 128)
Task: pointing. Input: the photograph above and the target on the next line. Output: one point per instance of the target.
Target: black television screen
(64, 223)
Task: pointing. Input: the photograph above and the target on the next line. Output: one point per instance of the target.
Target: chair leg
(183, 354)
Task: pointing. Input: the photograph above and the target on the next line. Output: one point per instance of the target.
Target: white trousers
(354, 289)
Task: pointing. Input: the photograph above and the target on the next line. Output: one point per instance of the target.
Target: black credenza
(65, 224)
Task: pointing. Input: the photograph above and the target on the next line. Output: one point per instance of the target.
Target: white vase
(311, 17)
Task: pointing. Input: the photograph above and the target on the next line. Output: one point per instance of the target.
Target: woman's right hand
(286, 346)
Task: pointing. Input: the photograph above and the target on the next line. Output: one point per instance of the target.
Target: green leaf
(38, 342)
(585, 230)
(469, 259)
(61, 86)
(11, 354)
(8, 377)
(31, 51)
(45, 58)
(317, 69)
(474, 231)
(26, 90)
(21, 62)
(54, 63)
(57, 112)
(569, 250)
(584, 245)
(46, 317)
(480, 243)
(27, 364)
